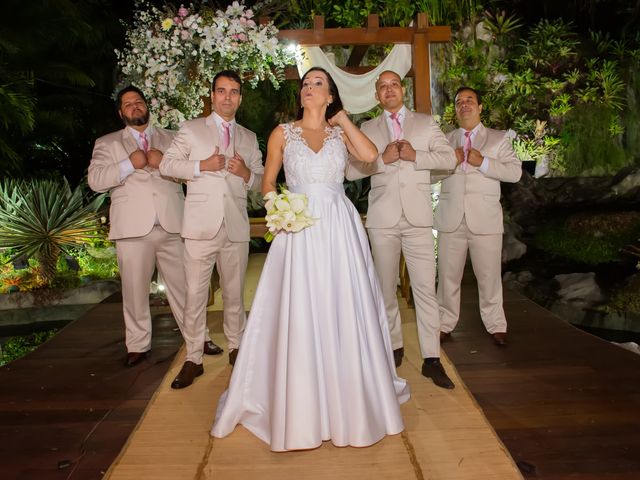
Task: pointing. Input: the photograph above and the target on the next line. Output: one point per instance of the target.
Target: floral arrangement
(286, 211)
(173, 55)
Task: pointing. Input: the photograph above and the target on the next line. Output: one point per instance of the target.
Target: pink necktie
(144, 141)
(466, 149)
(226, 137)
(397, 128)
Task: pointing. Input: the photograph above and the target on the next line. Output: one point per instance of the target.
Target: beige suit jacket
(137, 200)
(475, 195)
(213, 197)
(403, 186)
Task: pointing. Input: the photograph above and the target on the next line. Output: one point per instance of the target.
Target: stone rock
(631, 346)
(579, 288)
(517, 281)
(628, 185)
(512, 248)
(531, 198)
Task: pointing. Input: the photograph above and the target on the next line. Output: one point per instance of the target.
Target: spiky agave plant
(40, 218)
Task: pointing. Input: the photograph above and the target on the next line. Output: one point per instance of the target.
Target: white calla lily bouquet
(286, 211)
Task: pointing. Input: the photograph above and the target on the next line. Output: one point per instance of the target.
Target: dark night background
(61, 54)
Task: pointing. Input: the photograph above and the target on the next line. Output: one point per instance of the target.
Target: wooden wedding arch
(419, 36)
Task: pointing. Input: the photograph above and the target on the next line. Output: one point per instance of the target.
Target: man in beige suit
(221, 161)
(145, 216)
(469, 216)
(399, 218)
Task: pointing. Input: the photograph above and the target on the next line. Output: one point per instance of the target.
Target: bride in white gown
(316, 363)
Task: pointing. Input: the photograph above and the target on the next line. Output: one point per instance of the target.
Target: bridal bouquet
(286, 211)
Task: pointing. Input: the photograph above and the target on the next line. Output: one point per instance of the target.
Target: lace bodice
(302, 165)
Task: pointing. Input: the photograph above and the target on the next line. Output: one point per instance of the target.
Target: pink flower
(183, 12)
(177, 20)
(248, 13)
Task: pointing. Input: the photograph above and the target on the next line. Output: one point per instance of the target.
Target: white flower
(297, 204)
(287, 212)
(282, 204)
(172, 58)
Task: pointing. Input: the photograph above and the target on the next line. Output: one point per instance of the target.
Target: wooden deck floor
(565, 404)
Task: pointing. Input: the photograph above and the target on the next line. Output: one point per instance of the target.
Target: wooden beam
(318, 24)
(421, 60)
(291, 73)
(360, 36)
(348, 36)
(357, 54)
(373, 23)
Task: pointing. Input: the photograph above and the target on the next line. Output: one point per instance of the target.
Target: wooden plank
(361, 36)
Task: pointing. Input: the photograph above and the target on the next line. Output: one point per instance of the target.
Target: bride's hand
(339, 119)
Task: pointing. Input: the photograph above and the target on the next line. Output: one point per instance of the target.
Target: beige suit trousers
(231, 258)
(485, 251)
(137, 259)
(416, 243)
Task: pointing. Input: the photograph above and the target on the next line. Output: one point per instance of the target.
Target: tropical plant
(42, 218)
(16, 347)
(43, 63)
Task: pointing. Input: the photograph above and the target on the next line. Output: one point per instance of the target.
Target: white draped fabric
(356, 91)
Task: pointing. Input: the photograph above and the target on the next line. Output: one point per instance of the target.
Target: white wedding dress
(316, 362)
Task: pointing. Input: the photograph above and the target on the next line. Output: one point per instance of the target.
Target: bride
(316, 362)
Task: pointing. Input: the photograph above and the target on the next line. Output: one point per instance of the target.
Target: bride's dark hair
(334, 107)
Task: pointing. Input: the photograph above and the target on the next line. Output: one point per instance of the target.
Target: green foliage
(17, 347)
(589, 238)
(41, 218)
(352, 13)
(554, 80)
(626, 298)
(97, 261)
(588, 146)
(45, 80)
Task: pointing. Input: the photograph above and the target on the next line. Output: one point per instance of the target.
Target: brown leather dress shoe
(433, 369)
(500, 338)
(188, 372)
(134, 358)
(211, 348)
(398, 353)
(444, 336)
(233, 354)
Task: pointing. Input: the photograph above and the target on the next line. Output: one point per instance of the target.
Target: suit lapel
(408, 124)
(238, 138)
(213, 129)
(481, 138)
(128, 142)
(383, 131)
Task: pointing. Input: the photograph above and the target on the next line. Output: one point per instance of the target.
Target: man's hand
(459, 155)
(138, 159)
(391, 153)
(475, 158)
(237, 166)
(406, 151)
(154, 157)
(214, 163)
